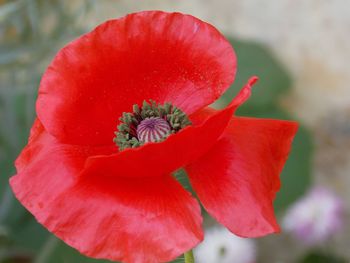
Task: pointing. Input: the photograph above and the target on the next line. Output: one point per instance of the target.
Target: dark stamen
(150, 123)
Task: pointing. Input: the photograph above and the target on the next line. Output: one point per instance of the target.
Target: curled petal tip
(252, 80)
(245, 92)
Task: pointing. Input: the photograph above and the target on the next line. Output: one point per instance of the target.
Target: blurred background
(299, 49)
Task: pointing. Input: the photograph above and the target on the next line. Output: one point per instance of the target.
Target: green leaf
(64, 253)
(321, 257)
(25, 232)
(255, 59)
(296, 175)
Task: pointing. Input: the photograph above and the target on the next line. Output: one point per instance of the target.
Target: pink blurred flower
(316, 217)
(221, 246)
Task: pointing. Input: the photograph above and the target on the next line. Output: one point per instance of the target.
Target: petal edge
(237, 181)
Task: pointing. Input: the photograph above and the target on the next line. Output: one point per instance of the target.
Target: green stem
(47, 249)
(5, 204)
(189, 258)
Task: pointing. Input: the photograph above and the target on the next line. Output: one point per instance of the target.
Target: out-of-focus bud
(221, 246)
(316, 217)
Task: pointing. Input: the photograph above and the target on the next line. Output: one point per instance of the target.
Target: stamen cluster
(127, 133)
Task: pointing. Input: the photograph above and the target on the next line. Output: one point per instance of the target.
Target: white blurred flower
(221, 246)
(316, 217)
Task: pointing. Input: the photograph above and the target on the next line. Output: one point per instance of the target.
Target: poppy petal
(28, 151)
(238, 178)
(140, 220)
(201, 115)
(178, 150)
(155, 159)
(166, 57)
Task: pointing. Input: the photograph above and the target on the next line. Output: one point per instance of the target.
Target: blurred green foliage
(255, 59)
(321, 257)
(31, 31)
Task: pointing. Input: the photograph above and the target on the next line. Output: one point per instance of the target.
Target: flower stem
(189, 258)
(47, 249)
(5, 204)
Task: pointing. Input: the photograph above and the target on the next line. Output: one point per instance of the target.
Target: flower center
(150, 123)
(153, 129)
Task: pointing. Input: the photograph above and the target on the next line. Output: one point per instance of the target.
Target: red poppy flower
(124, 204)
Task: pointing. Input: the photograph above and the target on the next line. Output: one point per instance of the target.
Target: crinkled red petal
(132, 220)
(155, 159)
(238, 178)
(178, 150)
(166, 57)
